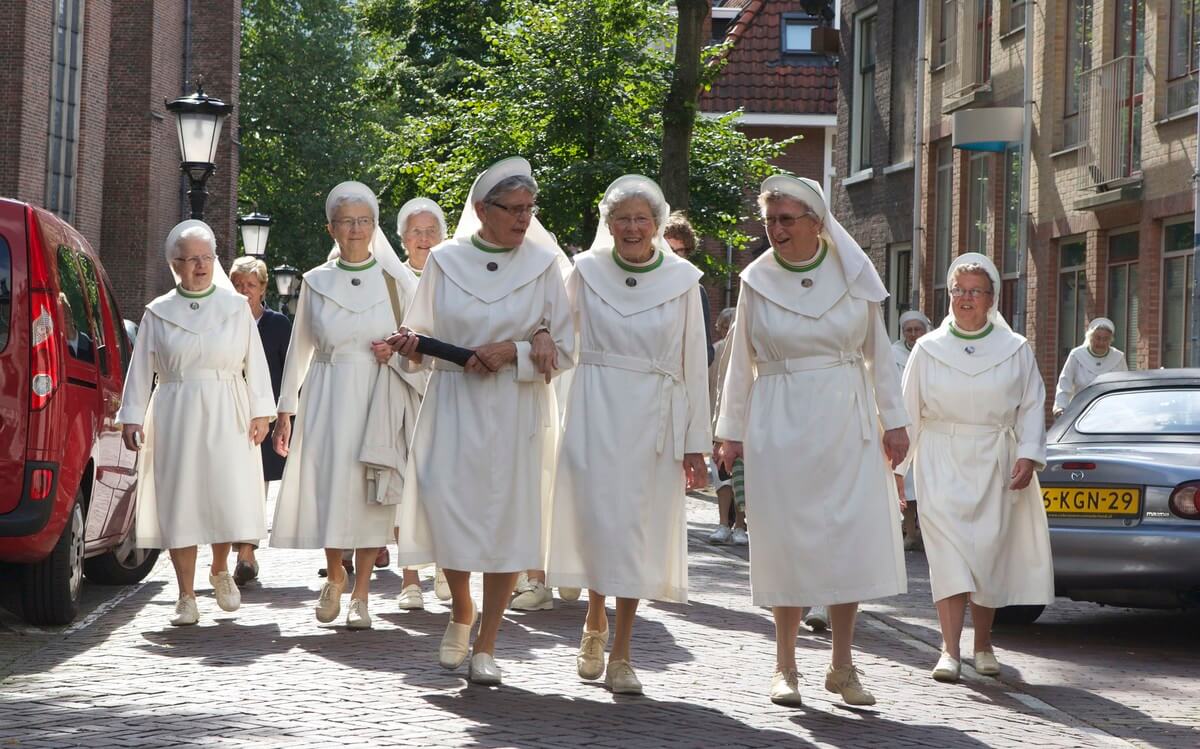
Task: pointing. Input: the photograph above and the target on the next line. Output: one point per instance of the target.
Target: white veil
(974, 258)
(419, 205)
(195, 229)
(631, 185)
(381, 248)
(469, 223)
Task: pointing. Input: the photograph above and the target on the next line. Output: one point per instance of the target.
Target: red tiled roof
(758, 79)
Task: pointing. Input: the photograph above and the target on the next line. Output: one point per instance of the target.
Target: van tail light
(41, 481)
(1185, 500)
(46, 369)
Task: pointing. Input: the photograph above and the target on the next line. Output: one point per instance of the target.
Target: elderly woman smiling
(976, 400)
(1085, 363)
(200, 475)
(811, 388)
(619, 520)
(479, 469)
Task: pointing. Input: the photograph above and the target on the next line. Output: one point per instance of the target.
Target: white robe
(1080, 369)
(901, 352)
(638, 402)
(328, 378)
(821, 504)
(481, 463)
(199, 477)
(970, 426)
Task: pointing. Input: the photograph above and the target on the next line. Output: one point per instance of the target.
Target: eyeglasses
(198, 260)
(958, 293)
(784, 219)
(639, 221)
(366, 222)
(516, 211)
(424, 233)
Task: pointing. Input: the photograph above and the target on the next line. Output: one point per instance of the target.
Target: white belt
(669, 410)
(336, 357)
(952, 427)
(240, 398)
(825, 361)
(1005, 456)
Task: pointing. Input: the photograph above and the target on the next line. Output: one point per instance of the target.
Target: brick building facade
(783, 90)
(1113, 150)
(84, 130)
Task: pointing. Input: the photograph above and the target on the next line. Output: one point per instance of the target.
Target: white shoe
(740, 537)
(720, 535)
(456, 642)
(357, 616)
(483, 670)
(186, 612)
(986, 663)
(947, 668)
(329, 602)
(569, 594)
(590, 661)
(229, 598)
(411, 598)
(535, 597)
(441, 588)
(620, 678)
(817, 619)
(785, 689)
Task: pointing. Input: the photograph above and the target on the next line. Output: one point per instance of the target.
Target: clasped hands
(486, 359)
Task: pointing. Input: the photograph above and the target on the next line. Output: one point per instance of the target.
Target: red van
(67, 484)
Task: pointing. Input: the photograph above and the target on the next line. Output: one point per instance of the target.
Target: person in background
(913, 325)
(1085, 363)
(681, 237)
(731, 506)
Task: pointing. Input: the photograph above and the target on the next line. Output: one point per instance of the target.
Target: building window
(943, 194)
(903, 95)
(1079, 61)
(1183, 59)
(797, 33)
(64, 107)
(1178, 284)
(1016, 14)
(979, 214)
(1072, 296)
(899, 285)
(863, 113)
(946, 20)
(1012, 231)
(1123, 292)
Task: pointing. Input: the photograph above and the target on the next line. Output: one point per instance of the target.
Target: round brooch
(806, 283)
(195, 305)
(631, 282)
(969, 349)
(493, 266)
(355, 281)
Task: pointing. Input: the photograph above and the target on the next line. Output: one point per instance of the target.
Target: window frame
(1079, 271)
(899, 294)
(1125, 331)
(862, 122)
(1072, 134)
(981, 202)
(1189, 258)
(62, 142)
(943, 201)
(799, 19)
(1185, 81)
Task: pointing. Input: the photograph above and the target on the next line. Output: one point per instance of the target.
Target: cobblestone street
(269, 675)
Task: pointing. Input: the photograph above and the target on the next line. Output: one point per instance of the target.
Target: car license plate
(1092, 501)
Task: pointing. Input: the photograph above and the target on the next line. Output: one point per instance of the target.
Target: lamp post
(199, 118)
(287, 283)
(255, 229)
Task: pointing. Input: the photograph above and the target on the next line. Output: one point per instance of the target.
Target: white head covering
(415, 206)
(195, 229)
(861, 277)
(381, 248)
(974, 258)
(914, 314)
(629, 185)
(1097, 324)
(469, 223)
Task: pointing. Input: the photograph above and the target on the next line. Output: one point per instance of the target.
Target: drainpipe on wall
(1018, 321)
(1194, 322)
(918, 227)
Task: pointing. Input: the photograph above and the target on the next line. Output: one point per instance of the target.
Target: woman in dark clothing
(249, 277)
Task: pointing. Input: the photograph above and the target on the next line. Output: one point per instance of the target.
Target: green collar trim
(196, 294)
(1098, 356)
(481, 245)
(971, 336)
(804, 267)
(626, 266)
(356, 268)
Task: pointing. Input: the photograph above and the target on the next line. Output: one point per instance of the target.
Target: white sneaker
(411, 598)
(229, 598)
(569, 594)
(720, 535)
(817, 619)
(357, 616)
(186, 612)
(441, 588)
(535, 597)
(739, 537)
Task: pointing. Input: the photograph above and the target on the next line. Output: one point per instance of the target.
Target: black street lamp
(255, 229)
(287, 283)
(199, 118)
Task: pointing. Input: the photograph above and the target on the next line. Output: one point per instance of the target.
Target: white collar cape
(599, 270)
(971, 356)
(338, 285)
(1108, 361)
(211, 310)
(467, 267)
(783, 287)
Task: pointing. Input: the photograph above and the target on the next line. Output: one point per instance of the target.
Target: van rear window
(6, 293)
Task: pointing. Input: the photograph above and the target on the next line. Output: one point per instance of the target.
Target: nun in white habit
(913, 325)
(976, 401)
(1085, 363)
(637, 425)
(810, 393)
(200, 473)
(481, 465)
(334, 359)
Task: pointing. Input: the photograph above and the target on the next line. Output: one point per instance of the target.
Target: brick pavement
(269, 675)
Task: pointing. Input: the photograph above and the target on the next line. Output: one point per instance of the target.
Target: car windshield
(1165, 411)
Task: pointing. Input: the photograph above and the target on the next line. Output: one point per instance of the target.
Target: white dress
(481, 464)
(1081, 368)
(638, 402)
(199, 477)
(974, 415)
(327, 382)
(902, 352)
(811, 382)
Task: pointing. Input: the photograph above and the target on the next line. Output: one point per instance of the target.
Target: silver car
(1122, 492)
